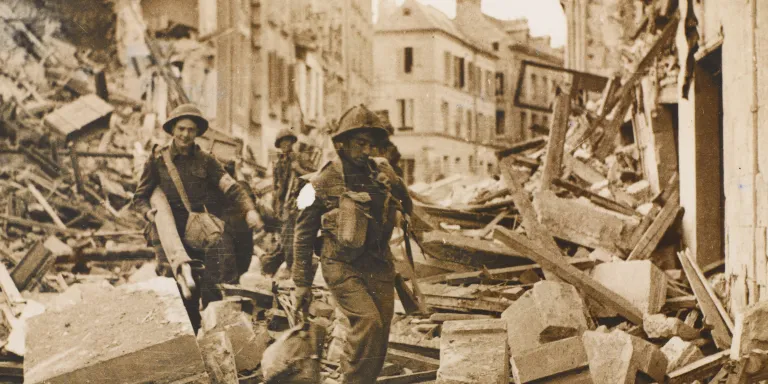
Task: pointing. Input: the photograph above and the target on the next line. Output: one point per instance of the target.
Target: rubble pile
(611, 297)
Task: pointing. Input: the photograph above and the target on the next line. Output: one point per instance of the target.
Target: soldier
(208, 187)
(287, 182)
(356, 204)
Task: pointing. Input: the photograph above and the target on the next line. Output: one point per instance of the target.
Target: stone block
(550, 311)
(474, 351)
(549, 360)
(638, 281)
(104, 338)
(219, 358)
(680, 353)
(751, 330)
(249, 340)
(617, 358)
(659, 326)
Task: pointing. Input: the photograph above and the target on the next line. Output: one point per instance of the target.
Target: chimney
(468, 7)
(386, 8)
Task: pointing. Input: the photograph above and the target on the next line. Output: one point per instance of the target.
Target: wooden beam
(76, 169)
(553, 163)
(529, 220)
(47, 207)
(500, 273)
(411, 360)
(554, 262)
(416, 377)
(714, 313)
(595, 198)
(699, 369)
(11, 292)
(675, 304)
(521, 147)
(463, 304)
(31, 223)
(652, 236)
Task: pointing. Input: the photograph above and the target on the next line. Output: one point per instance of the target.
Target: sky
(545, 17)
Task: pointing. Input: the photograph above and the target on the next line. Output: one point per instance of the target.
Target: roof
(421, 17)
(535, 52)
(426, 18)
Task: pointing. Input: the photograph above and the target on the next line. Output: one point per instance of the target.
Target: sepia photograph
(383, 191)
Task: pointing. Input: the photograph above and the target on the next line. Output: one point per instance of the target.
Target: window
(472, 164)
(489, 86)
(480, 127)
(458, 72)
(499, 84)
(408, 53)
(545, 87)
(470, 133)
(471, 74)
(459, 119)
(546, 121)
(448, 58)
(523, 120)
(495, 45)
(446, 113)
(534, 87)
(534, 119)
(405, 114)
(500, 122)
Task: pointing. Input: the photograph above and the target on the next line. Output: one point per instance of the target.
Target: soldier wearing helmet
(354, 202)
(208, 187)
(286, 176)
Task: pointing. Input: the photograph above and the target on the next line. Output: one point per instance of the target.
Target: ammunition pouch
(347, 225)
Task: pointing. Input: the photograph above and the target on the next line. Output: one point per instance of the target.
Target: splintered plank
(47, 207)
(556, 264)
(533, 228)
(714, 312)
(554, 161)
(9, 288)
(499, 273)
(464, 304)
(417, 377)
(33, 266)
(699, 369)
(650, 239)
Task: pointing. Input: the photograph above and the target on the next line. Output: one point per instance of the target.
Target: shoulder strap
(174, 173)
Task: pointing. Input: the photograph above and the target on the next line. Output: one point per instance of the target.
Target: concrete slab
(680, 353)
(550, 311)
(105, 337)
(549, 360)
(248, 340)
(474, 351)
(617, 357)
(639, 281)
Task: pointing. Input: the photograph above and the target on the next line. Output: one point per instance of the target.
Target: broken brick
(549, 360)
(659, 326)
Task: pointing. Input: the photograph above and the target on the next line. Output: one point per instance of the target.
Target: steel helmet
(186, 111)
(359, 118)
(285, 133)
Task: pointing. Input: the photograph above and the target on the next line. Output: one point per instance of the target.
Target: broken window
(408, 53)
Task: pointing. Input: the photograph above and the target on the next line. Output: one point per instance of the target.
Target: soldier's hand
(254, 220)
(302, 296)
(150, 215)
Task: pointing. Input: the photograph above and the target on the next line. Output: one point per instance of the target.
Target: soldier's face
(286, 145)
(184, 132)
(360, 147)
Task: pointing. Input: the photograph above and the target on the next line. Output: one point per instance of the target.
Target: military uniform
(204, 180)
(362, 282)
(286, 181)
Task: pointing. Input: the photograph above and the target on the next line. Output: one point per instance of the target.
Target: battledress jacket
(388, 195)
(204, 180)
